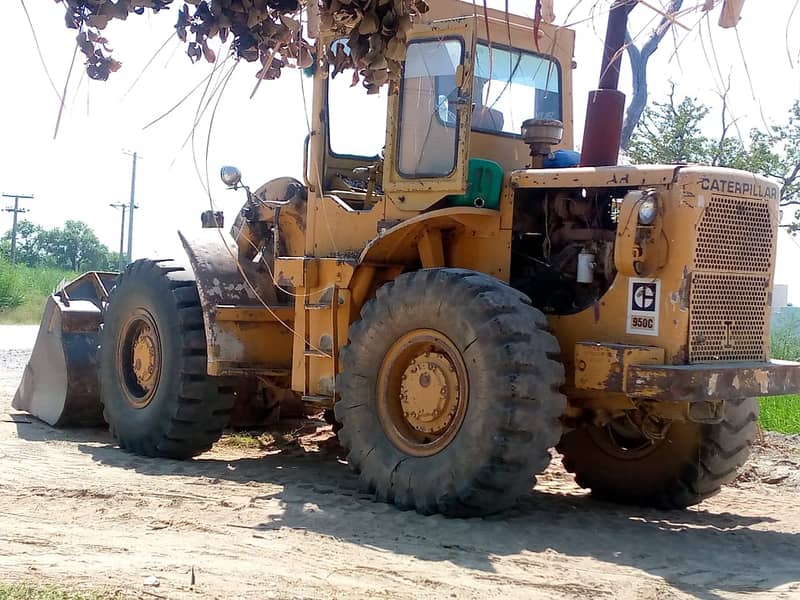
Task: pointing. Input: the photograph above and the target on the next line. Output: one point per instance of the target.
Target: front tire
(449, 393)
(156, 395)
(690, 464)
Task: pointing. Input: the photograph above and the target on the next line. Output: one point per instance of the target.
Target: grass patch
(24, 291)
(24, 591)
(28, 313)
(781, 414)
(246, 440)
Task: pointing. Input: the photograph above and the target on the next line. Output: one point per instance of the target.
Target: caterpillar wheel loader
(462, 290)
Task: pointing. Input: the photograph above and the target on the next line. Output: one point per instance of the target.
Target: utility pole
(124, 207)
(132, 205)
(16, 210)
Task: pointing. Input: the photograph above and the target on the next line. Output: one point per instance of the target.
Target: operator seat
(487, 119)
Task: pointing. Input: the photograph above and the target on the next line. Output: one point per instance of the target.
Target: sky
(87, 166)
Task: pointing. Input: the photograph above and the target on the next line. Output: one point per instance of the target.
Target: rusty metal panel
(713, 381)
(244, 324)
(602, 366)
(60, 384)
(622, 176)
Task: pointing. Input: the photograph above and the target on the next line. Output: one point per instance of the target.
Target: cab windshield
(511, 86)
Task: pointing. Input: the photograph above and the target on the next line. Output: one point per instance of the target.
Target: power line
(16, 210)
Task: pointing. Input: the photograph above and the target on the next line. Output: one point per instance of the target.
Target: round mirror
(231, 176)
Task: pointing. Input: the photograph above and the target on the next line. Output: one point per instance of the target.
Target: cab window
(357, 120)
(427, 146)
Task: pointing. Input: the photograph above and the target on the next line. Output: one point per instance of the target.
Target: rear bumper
(639, 372)
(712, 381)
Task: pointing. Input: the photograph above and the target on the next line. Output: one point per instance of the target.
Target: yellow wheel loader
(464, 292)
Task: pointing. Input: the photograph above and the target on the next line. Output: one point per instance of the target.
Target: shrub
(11, 292)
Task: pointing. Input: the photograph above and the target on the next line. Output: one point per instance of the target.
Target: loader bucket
(60, 385)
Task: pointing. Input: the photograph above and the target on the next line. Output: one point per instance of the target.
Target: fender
(421, 236)
(240, 308)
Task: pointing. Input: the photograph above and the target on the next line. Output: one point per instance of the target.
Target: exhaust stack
(604, 113)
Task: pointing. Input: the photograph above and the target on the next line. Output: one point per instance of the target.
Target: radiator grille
(728, 317)
(735, 235)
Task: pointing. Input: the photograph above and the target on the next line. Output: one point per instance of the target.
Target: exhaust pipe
(606, 107)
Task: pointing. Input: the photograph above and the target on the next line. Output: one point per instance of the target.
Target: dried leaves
(268, 31)
(90, 16)
(377, 38)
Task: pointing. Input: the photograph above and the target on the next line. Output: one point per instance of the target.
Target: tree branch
(639, 59)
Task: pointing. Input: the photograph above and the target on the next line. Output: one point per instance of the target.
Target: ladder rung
(318, 306)
(317, 353)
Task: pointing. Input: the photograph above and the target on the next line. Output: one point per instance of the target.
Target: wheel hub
(139, 358)
(144, 359)
(423, 392)
(429, 392)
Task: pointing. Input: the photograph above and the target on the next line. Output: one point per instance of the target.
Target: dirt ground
(289, 522)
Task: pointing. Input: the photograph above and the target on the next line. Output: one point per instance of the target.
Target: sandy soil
(289, 522)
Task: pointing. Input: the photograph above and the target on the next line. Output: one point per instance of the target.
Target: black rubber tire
(189, 409)
(690, 465)
(512, 417)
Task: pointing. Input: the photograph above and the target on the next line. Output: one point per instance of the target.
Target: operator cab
(508, 86)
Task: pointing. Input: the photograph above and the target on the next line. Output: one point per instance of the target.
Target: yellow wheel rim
(423, 392)
(139, 358)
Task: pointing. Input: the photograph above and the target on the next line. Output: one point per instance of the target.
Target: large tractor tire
(156, 395)
(691, 463)
(449, 393)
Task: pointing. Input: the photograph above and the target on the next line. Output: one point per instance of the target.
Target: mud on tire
(512, 410)
(691, 464)
(180, 411)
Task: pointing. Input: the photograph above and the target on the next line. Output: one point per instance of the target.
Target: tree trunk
(639, 59)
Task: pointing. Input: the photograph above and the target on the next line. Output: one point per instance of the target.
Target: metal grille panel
(735, 235)
(728, 317)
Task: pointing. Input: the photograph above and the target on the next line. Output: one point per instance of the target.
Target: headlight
(648, 209)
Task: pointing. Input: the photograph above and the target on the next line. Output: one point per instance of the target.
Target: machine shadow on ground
(641, 539)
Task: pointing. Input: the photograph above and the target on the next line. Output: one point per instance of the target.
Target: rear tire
(156, 395)
(475, 445)
(691, 464)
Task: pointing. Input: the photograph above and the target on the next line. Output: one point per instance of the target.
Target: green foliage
(671, 132)
(11, 294)
(785, 342)
(24, 291)
(780, 413)
(73, 247)
(24, 591)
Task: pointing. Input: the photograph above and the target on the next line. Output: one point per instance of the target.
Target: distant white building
(785, 317)
(780, 297)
